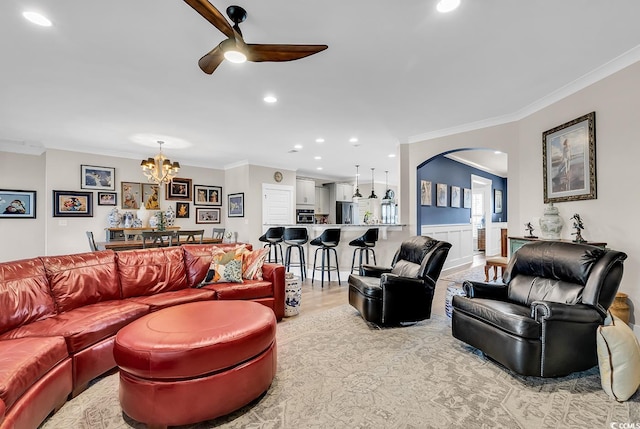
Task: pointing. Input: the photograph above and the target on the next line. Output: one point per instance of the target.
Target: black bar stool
(273, 238)
(364, 244)
(296, 238)
(327, 241)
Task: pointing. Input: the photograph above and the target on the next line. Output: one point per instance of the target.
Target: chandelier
(159, 169)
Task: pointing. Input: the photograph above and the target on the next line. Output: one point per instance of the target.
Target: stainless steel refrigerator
(345, 212)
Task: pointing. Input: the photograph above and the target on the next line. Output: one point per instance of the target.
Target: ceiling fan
(234, 48)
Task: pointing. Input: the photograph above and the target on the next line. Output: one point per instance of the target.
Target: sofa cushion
(225, 267)
(82, 279)
(25, 361)
(169, 299)
(197, 259)
(24, 294)
(512, 318)
(250, 289)
(83, 326)
(525, 289)
(150, 271)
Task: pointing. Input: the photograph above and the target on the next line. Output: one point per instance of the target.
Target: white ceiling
(395, 72)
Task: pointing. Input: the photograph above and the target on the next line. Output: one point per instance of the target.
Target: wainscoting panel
(493, 248)
(461, 238)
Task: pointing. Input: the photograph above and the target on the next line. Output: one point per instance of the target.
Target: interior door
(278, 204)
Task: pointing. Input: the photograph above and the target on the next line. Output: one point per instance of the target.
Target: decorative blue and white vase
(169, 216)
(114, 218)
(551, 223)
(128, 219)
(452, 291)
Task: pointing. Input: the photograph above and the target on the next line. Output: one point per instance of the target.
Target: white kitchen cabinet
(344, 192)
(305, 192)
(322, 200)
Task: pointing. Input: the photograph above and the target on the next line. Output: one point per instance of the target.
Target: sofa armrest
(577, 313)
(275, 274)
(374, 270)
(485, 290)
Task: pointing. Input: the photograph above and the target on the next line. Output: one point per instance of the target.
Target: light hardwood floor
(316, 298)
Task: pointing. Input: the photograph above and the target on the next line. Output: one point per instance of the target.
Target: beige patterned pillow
(252, 261)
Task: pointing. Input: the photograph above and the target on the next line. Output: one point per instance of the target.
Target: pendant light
(357, 194)
(373, 186)
(388, 194)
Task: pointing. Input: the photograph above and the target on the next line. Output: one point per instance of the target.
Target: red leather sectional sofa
(59, 316)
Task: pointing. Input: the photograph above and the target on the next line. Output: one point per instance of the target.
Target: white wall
(612, 217)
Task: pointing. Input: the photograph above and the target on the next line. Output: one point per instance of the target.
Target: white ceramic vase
(551, 223)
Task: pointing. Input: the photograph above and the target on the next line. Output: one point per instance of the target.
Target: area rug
(475, 274)
(336, 371)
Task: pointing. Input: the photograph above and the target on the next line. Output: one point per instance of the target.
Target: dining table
(120, 245)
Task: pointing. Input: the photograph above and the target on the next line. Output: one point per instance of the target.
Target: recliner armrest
(485, 290)
(578, 313)
(374, 270)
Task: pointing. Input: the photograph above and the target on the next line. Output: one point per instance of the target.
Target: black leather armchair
(542, 320)
(402, 293)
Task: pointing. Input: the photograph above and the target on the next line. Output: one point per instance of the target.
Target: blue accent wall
(452, 173)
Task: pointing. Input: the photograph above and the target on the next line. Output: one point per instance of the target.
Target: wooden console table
(517, 242)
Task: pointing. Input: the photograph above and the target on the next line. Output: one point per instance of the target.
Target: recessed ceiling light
(318, 168)
(298, 146)
(497, 152)
(270, 99)
(392, 155)
(317, 157)
(353, 139)
(37, 18)
(445, 6)
(319, 140)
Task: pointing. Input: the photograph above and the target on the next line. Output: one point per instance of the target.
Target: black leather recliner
(542, 320)
(403, 293)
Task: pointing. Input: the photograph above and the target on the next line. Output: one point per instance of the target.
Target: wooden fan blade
(212, 60)
(262, 52)
(213, 15)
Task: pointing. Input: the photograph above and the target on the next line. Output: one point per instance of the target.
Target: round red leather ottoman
(196, 361)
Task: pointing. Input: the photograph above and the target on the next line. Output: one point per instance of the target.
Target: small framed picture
(72, 204)
(455, 196)
(441, 195)
(179, 189)
(425, 193)
(17, 204)
(150, 196)
(466, 198)
(207, 215)
(107, 198)
(182, 210)
(204, 195)
(93, 177)
(131, 195)
(236, 204)
(497, 201)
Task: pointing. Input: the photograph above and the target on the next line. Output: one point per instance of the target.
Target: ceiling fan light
(445, 6)
(235, 56)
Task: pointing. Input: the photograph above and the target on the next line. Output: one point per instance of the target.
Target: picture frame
(16, 204)
(131, 195)
(569, 160)
(497, 201)
(107, 198)
(235, 204)
(204, 195)
(426, 197)
(441, 195)
(151, 196)
(182, 210)
(179, 189)
(455, 196)
(207, 215)
(466, 198)
(72, 204)
(97, 178)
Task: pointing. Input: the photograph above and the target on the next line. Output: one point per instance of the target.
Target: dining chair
(157, 238)
(191, 235)
(218, 233)
(92, 241)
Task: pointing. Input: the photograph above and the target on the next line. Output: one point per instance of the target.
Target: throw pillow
(618, 358)
(225, 267)
(404, 268)
(252, 261)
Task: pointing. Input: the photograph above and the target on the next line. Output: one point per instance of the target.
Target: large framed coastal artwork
(100, 178)
(569, 160)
